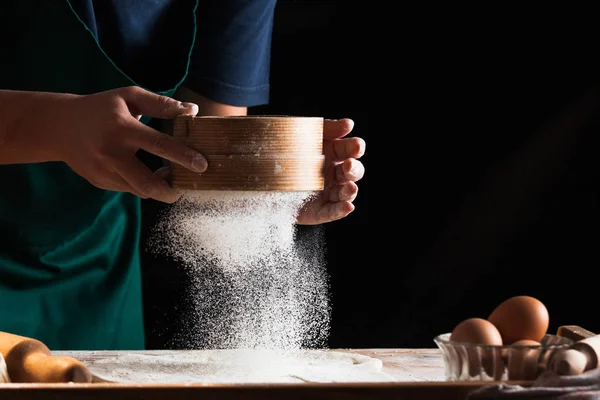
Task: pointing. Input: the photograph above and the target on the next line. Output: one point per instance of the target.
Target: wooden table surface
(418, 373)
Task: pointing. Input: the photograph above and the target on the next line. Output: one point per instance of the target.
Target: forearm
(26, 132)
(208, 107)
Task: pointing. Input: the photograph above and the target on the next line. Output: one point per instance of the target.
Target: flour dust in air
(255, 283)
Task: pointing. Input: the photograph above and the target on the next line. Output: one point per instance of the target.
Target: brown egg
(522, 360)
(520, 343)
(526, 342)
(477, 331)
(480, 359)
(519, 318)
(522, 363)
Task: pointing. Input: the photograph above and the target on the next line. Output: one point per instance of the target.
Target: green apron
(69, 256)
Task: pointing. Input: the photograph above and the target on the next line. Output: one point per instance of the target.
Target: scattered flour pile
(254, 286)
(239, 366)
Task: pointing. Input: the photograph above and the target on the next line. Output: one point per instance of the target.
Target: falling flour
(254, 285)
(260, 297)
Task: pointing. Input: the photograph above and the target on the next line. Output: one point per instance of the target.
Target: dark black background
(485, 193)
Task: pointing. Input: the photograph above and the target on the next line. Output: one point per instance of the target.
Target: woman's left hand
(342, 170)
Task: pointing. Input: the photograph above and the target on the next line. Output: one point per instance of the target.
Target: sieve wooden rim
(247, 172)
(252, 152)
(258, 135)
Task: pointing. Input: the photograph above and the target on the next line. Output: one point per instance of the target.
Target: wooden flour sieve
(276, 153)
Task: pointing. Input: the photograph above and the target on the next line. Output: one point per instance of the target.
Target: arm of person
(206, 106)
(17, 146)
(39, 127)
(229, 67)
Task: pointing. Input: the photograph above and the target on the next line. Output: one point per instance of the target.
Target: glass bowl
(474, 362)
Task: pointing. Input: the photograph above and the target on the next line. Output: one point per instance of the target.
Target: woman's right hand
(98, 136)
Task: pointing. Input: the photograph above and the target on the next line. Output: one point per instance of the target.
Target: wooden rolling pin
(29, 360)
(574, 332)
(583, 355)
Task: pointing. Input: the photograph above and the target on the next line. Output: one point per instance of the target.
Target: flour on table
(238, 366)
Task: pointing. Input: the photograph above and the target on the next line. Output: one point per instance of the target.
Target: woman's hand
(98, 136)
(342, 171)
